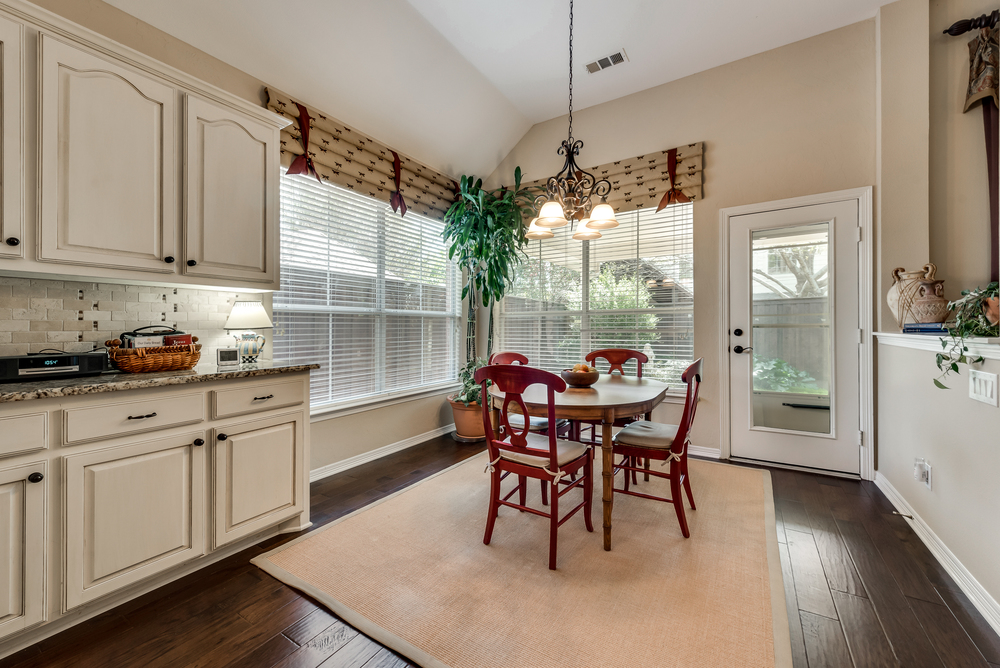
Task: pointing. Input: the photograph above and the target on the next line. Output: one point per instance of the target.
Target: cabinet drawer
(23, 433)
(243, 400)
(108, 420)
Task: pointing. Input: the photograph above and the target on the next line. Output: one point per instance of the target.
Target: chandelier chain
(571, 69)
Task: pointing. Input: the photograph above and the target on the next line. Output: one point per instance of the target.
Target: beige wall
(959, 199)
(959, 437)
(793, 121)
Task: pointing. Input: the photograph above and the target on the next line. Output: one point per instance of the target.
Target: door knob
(36, 477)
(13, 241)
(737, 332)
(740, 349)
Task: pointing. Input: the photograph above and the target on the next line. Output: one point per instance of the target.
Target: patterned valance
(345, 157)
(644, 181)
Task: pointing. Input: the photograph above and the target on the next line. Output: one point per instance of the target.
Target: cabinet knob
(13, 241)
(192, 263)
(169, 259)
(199, 441)
(222, 437)
(36, 477)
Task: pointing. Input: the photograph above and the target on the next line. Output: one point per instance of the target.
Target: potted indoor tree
(486, 231)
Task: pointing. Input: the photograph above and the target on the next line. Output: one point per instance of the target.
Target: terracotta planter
(992, 310)
(468, 422)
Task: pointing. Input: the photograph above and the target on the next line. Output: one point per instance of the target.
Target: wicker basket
(150, 360)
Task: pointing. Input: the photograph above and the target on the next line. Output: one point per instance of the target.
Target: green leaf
(940, 385)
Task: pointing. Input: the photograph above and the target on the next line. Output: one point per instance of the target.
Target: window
(369, 295)
(633, 288)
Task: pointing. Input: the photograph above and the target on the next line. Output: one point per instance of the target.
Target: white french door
(795, 336)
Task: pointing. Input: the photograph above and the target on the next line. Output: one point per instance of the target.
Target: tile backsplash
(75, 316)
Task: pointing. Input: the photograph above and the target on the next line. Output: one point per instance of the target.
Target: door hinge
(861, 439)
(858, 235)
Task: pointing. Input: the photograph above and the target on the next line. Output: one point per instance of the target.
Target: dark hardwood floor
(861, 589)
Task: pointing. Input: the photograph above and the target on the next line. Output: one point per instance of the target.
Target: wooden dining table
(613, 396)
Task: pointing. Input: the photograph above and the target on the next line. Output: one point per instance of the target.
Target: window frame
(382, 314)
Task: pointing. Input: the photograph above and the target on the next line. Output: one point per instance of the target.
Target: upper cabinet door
(108, 166)
(11, 141)
(231, 195)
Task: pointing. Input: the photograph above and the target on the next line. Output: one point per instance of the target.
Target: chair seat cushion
(516, 421)
(566, 451)
(645, 434)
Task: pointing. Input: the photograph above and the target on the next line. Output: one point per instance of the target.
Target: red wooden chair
(508, 357)
(538, 424)
(530, 455)
(616, 358)
(662, 442)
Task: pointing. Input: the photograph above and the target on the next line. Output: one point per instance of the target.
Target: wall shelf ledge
(988, 348)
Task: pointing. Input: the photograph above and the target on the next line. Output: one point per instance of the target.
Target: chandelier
(572, 194)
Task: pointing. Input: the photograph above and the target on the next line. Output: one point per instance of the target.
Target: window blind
(369, 295)
(633, 288)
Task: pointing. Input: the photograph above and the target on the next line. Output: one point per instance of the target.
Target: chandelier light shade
(603, 217)
(571, 194)
(535, 232)
(551, 215)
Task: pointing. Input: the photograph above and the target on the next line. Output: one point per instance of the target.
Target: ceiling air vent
(604, 63)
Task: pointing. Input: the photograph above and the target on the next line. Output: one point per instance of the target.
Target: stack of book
(932, 328)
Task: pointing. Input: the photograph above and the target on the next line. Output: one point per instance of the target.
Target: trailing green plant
(970, 322)
(486, 230)
(471, 391)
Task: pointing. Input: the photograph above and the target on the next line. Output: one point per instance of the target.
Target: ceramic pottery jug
(929, 304)
(904, 290)
(250, 346)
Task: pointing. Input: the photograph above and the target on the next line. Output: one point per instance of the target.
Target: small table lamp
(248, 316)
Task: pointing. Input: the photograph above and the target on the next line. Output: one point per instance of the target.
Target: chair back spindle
(616, 357)
(513, 380)
(692, 378)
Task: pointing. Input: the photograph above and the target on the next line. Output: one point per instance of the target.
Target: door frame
(863, 197)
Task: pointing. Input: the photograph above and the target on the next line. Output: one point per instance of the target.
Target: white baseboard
(372, 455)
(707, 453)
(981, 598)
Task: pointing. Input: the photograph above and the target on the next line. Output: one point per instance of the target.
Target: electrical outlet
(922, 471)
(983, 387)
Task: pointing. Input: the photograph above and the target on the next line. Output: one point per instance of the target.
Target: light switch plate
(983, 387)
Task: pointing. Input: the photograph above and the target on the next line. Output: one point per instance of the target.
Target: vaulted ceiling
(456, 83)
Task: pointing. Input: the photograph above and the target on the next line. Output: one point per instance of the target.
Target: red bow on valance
(303, 164)
(674, 195)
(396, 198)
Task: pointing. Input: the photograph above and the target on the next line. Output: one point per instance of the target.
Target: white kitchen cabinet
(22, 547)
(11, 140)
(230, 195)
(132, 512)
(108, 163)
(259, 475)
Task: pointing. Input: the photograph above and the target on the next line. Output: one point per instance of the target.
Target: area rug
(412, 572)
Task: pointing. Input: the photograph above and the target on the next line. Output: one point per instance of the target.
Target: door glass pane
(791, 337)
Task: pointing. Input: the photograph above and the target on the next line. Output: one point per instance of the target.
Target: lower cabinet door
(258, 475)
(132, 512)
(22, 547)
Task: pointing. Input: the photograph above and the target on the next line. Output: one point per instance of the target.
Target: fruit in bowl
(581, 375)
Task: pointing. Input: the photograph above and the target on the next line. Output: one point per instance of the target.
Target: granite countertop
(116, 382)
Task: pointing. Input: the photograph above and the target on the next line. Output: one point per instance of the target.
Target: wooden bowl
(579, 378)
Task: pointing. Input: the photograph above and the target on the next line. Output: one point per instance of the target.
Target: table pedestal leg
(608, 472)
